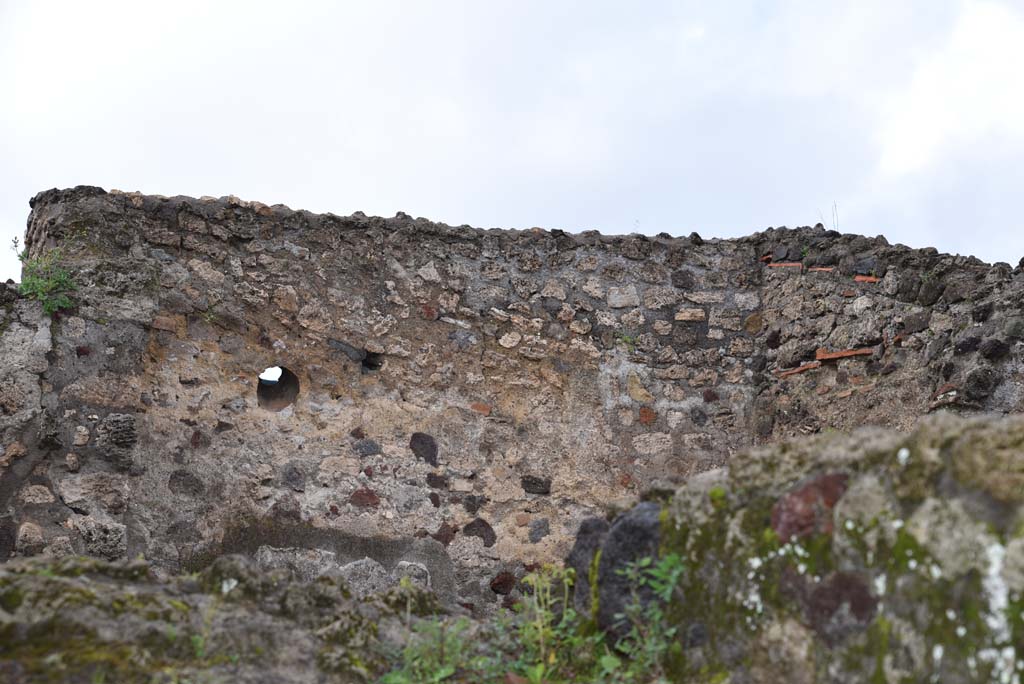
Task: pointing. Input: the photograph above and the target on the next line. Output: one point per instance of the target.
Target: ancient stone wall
(465, 397)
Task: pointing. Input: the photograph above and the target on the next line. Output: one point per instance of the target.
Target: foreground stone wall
(874, 556)
(466, 397)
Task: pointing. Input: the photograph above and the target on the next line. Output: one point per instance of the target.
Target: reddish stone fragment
(429, 312)
(364, 498)
(482, 409)
(445, 534)
(503, 583)
(647, 415)
(199, 440)
(807, 510)
(165, 323)
(840, 605)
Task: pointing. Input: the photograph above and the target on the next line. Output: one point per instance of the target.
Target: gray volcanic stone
(994, 349)
(632, 536)
(589, 539)
(536, 485)
(479, 527)
(424, 447)
(365, 577)
(981, 382)
(539, 529)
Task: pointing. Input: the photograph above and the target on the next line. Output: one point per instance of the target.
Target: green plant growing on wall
(650, 645)
(44, 279)
(548, 642)
(626, 340)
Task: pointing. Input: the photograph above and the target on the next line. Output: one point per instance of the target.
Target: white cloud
(669, 116)
(967, 92)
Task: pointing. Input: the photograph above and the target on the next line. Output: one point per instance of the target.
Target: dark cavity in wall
(8, 534)
(274, 394)
(369, 361)
(372, 362)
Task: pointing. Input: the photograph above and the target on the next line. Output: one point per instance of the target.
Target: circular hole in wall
(372, 362)
(277, 388)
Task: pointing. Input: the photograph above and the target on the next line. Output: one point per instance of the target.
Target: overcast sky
(722, 118)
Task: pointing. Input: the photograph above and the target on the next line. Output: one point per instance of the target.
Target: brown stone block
(481, 408)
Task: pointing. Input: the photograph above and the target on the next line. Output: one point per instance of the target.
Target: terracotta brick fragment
(822, 355)
(482, 409)
(785, 264)
(821, 269)
(801, 369)
(865, 279)
(647, 415)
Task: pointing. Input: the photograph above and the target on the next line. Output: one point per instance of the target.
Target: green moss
(717, 495)
(708, 594)
(947, 612)
(10, 598)
(878, 644)
(408, 599)
(347, 646)
(179, 606)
